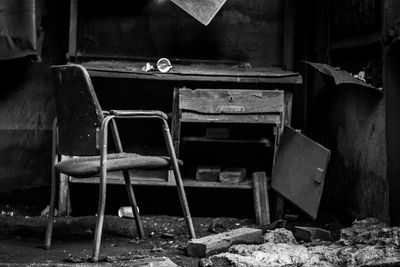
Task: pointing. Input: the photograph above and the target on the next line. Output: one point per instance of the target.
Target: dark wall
(250, 31)
(26, 105)
(391, 82)
(357, 186)
(348, 120)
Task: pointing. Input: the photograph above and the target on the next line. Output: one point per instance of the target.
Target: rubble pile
(366, 243)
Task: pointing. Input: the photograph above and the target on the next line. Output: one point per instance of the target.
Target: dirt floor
(22, 239)
(22, 230)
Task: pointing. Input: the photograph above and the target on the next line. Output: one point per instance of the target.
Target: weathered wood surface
(231, 118)
(154, 181)
(261, 198)
(193, 72)
(226, 101)
(213, 244)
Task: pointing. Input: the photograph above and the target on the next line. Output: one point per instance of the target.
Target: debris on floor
(312, 234)
(213, 244)
(366, 243)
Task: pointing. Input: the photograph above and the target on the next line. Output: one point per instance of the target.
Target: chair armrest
(139, 113)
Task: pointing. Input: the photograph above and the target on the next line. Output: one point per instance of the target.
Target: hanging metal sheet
(299, 170)
(202, 10)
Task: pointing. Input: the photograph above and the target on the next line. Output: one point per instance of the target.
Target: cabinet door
(299, 170)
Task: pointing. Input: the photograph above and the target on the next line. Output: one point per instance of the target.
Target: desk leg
(261, 200)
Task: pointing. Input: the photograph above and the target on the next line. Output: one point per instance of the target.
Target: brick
(214, 244)
(208, 173)
(232, 175)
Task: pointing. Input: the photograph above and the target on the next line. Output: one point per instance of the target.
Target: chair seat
(90, 166)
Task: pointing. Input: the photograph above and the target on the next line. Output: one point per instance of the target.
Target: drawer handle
(230, 108)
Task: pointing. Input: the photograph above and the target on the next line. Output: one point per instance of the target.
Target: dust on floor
(166, 236)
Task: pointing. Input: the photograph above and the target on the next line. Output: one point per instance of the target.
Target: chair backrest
(79, 114)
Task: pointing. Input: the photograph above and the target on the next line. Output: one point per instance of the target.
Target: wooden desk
(225, 75)
(201, 72)
(184, 72)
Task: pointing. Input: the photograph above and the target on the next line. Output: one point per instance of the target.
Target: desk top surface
(192, 72)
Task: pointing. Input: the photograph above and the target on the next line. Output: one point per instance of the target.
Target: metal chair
(81, 129)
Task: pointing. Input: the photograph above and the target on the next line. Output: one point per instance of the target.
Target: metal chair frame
(110, 117)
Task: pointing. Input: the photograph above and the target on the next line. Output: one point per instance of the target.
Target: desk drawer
(226, 101)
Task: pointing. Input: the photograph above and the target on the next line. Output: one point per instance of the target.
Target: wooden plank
(73, 26)
(226, 101)
(195, 78)
(247, 184)
(263, 141)
(207, 70)
(176, 122)
(288, 98)
(228, 118)
(214, 244)
(261, 198)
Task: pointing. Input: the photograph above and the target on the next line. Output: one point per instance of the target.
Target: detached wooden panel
(217, 101)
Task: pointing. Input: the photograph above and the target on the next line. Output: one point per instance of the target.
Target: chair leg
(52, 206)
(129, 189)
(178, 179)
(133, 203)
(100, 218)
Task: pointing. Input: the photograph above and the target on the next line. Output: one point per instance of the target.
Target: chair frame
(111, 117)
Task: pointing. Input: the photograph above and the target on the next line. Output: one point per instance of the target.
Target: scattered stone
(280, 235)
(156, 249)
(275, 225)
(371, 232)
(217, 226)
(269, 254)
(73, 259)
(369, 243)
(213, 244)
(151, 262)
(205, 262)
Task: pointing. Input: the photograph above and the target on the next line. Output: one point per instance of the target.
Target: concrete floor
(22, 240)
